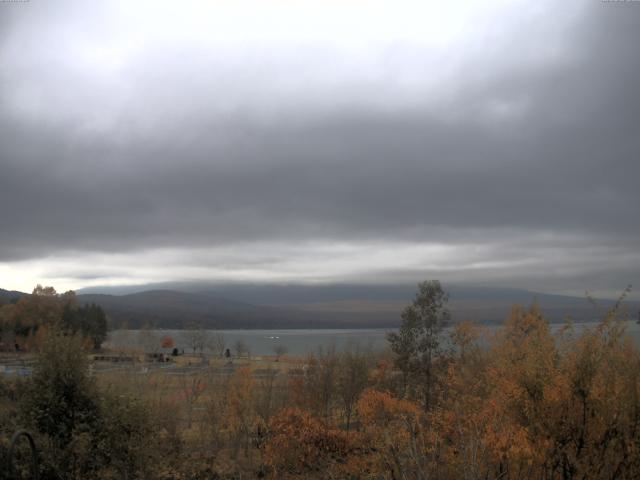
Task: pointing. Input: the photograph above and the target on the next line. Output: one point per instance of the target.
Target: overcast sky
(487, 142)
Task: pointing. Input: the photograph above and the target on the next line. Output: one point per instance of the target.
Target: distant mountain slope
(171, 309)
(297, 306)
(9, 295)
(385, 302)
(241, 306)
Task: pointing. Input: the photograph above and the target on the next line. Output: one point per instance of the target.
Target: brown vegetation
(524, 403)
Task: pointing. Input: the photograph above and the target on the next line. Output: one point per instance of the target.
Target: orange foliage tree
(240, 414)
(300, 446)
(524, 404)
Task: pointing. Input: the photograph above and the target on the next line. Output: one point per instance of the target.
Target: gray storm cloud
(520, 140)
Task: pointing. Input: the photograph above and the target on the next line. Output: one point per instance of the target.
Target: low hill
(174, 309)
(335, 306)
(246, 306)
(7, 296)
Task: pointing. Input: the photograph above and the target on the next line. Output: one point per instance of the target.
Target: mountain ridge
(253, 306)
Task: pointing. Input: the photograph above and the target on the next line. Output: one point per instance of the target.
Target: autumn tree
(538, 405)
(43, 307)
(240, 413)
(191, 387)
(46, 308)
(267, 393)
(301, 446)
(464, 422)
(167, 342)
(417, 344)
(279, 350)
(216, 343)
(395, 443)
(320, 380)
(214, 416)
(195, 337)
(241, 348)
(148, 339)
(352, 378)
(590, 413)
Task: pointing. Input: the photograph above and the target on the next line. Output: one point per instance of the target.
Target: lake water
(298, 342)
(261, 342)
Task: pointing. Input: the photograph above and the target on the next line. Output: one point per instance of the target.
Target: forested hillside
(236, 306)
(332, 306)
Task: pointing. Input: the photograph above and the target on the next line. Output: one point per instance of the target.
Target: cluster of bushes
(528, 405)
(523, 403)
(80, 431)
